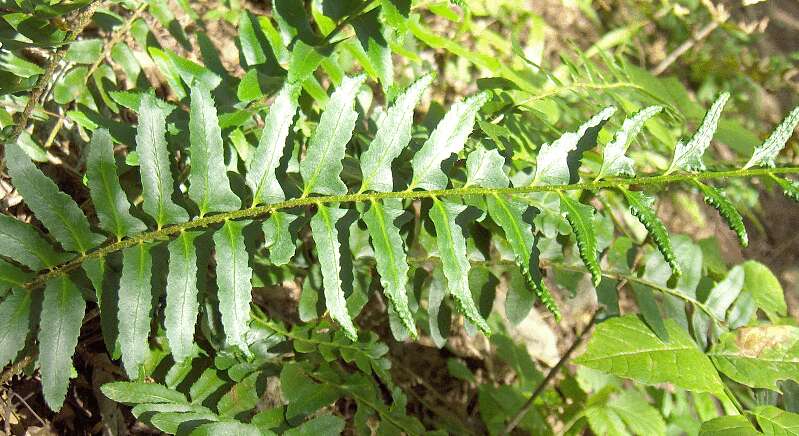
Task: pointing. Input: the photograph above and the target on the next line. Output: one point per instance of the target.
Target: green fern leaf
(614, 161)
(438, 313)
(156, 175)
(62, 315)
(580, 217)
(233, 275)
(392, 264)
(209, 186)
(718, 201)
(56, 210)
(21, 242)
(182, 306)
(261, 170)
(110, 201)
(688, 155)
(485, 168)
(448, 137)
(325, 234)
(15, 313)
(393, 135)
(552, 163)
(765, 154)
(455, 263)
(321, 168)
(139, 393)
(789, 188)
(135, 295)
(279, 237)
(641, 206)
(12, 277)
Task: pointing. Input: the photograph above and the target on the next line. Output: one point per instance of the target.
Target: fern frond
(726, 209)
(580, 218)
(641, 208)
(765, 154)
(688, 155)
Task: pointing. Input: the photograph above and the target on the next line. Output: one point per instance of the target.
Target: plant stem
(517, 418)
(260, 211)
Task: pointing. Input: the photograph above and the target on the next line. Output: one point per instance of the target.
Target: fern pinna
(205, 224)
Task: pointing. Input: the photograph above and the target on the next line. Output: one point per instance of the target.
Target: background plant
(302, 157)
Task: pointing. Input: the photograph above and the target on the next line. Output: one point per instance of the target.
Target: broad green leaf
(439, 315)
(85, 51)
(139, 392)
(519, 234)
(55, 209)
(552, 162)
(11, 276)
(110, 201)
(279, 237)
(519, 300)
(156, 174)
(261, 168)
(325, 235)
(15, 312)
(392, 136)
(62, 315)
(304, 395)
(485, 168)
(626, 347)
(733, 425)
(627, 413)
(233, 275)
(21, 242)
(135, 295)
(170, 422)
(765, 289)
(305, 59)
(209, 186)
(719, 201)
(321, 425)
(688, 155)
(71, 86)
(649, 310)
(614, 161)
(321, 168)
(448, 137)
(642, 207)
(392, 264)
(230, 428)
(725, 292)
(765, 154)
(580, 218)
(759, 356)
(369, 31)
(454, 260)
(182, 306)
(775, 421)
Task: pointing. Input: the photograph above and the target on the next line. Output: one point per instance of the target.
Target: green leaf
(71, 86)
(733, 425)
(765, 154)
(439, 316)
(182, 305)
(56, 210)
(21, 242)
(759, 356)
(139, 392)
(448, 137)
(156, 175)
(775, 421)
(251, 48)
(627, 413)
(725, 292)
(789, 188)
(765, 288)
(11, 276)
(62, 315)
(688, 155)
(233, 275)
(209, 186)
(325, 234)
(369, 31)
(552, 162)
(321, 168)
(135, 295)
(642, 207)
(85, 51)
(304, 61)
(279, 237)
(231, 428)
(454, 260)
(261, 168)
(321, 425)
(392, 136)
(614, 161)
(15, 312)
(193, 73)
(392, 264)
(485, 168)
(719, 201)
(580, 218)
(626, 347)
(110, 201)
